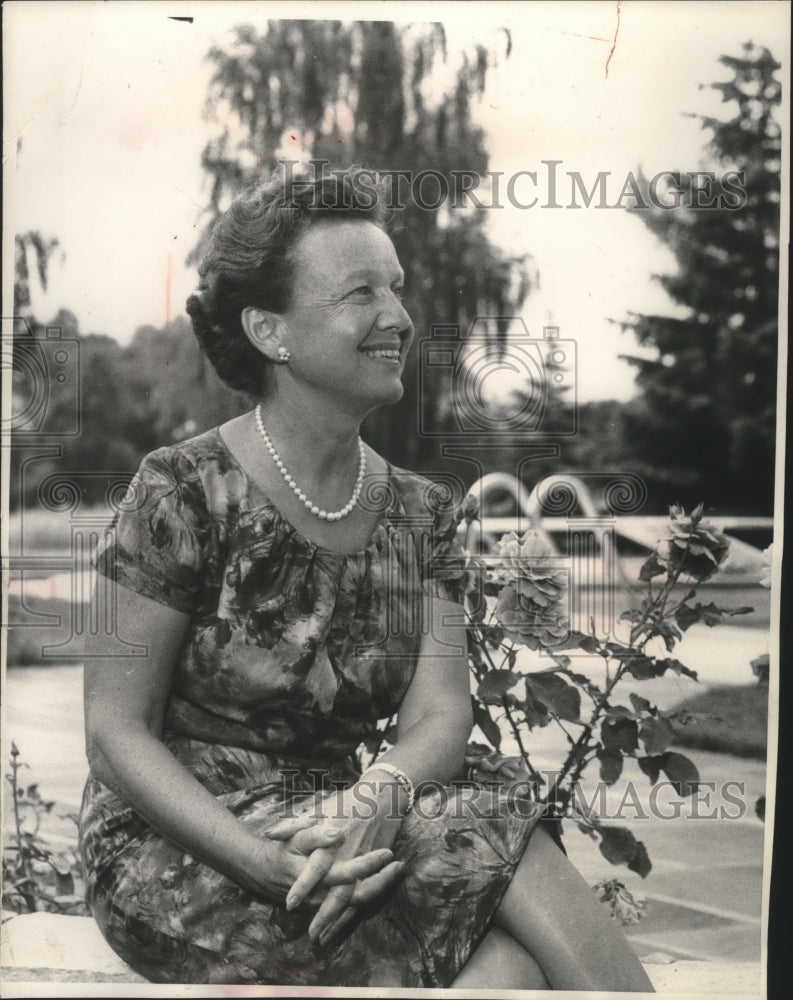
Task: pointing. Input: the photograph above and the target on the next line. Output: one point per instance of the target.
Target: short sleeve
(442, 559)
(155, 545)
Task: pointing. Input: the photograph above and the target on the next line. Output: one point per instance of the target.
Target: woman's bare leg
(500, 963)
(550, 910)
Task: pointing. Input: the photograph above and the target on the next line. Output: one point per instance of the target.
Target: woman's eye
(399, 292)
(362, 290)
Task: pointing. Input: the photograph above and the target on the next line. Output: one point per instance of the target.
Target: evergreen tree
(704, 427)
(362, 92)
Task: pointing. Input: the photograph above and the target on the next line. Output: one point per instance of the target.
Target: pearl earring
(283, 356)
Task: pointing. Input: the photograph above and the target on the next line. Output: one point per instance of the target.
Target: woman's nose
(393, 315)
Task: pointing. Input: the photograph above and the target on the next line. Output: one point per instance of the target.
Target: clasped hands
(335, 856)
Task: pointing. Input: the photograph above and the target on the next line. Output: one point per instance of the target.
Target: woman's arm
(435, 716)
(433, 727)
(125, 703)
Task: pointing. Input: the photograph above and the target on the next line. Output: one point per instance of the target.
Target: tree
(359, 92)
(41, 248)
(705, 424)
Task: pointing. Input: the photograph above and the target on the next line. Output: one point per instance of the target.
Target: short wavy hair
(250, 254)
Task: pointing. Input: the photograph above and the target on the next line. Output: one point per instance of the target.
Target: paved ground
(704, 894)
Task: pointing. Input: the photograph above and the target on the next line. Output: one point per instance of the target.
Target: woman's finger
(333, 930)
(312, 873)
(288, 827)
(367, 889)
(321, 835)
(334, 904)
(362, 866)
(364, 892)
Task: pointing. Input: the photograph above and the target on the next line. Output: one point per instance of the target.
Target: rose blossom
(692, 544)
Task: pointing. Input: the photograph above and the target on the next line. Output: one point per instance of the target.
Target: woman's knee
(500, 962)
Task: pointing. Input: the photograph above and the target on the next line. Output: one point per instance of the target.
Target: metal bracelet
(400, 776)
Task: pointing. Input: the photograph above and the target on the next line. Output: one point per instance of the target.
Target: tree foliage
(31, 245)
(116, 403)
(370, 92)
(705, 422)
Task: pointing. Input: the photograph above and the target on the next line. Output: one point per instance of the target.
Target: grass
(737, 725)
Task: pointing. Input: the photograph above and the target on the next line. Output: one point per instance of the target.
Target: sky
(104, 112)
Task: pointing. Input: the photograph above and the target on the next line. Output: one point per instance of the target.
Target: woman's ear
(263, 329)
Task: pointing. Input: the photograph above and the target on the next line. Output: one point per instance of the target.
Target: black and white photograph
(393, 460)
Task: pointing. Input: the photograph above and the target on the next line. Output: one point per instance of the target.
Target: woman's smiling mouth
(387, 353)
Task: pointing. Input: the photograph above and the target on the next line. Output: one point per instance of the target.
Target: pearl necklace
(312, 507)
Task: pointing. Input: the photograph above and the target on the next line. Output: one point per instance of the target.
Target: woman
(280, 577)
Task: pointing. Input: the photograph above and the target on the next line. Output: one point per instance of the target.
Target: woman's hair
(249, 260)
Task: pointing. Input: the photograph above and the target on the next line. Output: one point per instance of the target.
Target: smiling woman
(291, 588)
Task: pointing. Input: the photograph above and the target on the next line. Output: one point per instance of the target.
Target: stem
(23, 859)
(583, 739)
(558, 722)
(507, 711)
(523, 751)
(658, 602)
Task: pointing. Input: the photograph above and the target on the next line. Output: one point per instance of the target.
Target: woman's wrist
(252, 866)
(384, 775)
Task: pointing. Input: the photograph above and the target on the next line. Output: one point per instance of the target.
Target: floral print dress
(292, 655)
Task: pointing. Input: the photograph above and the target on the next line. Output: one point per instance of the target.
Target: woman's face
(346, 329)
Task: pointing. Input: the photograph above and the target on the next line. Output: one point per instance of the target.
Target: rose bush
(517, 598)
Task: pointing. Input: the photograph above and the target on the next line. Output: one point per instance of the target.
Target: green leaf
(620, 847)
(656, 735)
(619, 712)
(495, 685)
(669, 634)
(610, 765)
(641, 704)
(561, 698)
(677, 667)
(651, 766)
(486, 723)
(641, 667)
(494, 635)
(686, 616)
(584, 681)
(681, 772)
(761, 666)
(535, 711)
(580, 640)
(620, 734)
(652, 567)
(64, 881)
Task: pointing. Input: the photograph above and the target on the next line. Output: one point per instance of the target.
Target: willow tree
(372, 93)
(31, 245)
